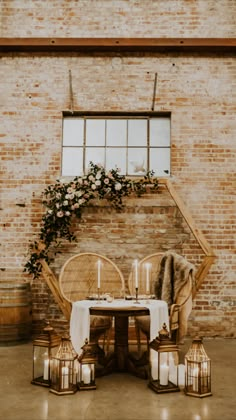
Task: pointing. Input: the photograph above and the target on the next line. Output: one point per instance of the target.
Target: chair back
(78, 278)
(153, 269)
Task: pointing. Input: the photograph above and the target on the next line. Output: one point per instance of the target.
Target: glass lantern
(87, 361)
(44, 347)
(197, 371)
(163, 359)
(64, 369)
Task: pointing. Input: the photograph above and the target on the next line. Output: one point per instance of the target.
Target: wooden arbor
(201, 273)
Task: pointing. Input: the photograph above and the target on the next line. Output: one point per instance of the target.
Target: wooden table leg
(121, 342)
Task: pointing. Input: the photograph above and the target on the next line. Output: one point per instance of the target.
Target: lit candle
(181, 371)
(65, 378)
(45, 370)
(148, 266)
(154, 365)
(99, 274)
(164, 374)
(86, 374)
(195, 379)
(136, 273)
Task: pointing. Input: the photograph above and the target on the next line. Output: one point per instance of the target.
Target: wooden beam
(116, 44)
(209, 258)
(187, 216)
(202, 272)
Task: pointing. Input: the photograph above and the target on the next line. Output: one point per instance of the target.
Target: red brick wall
(198, 90)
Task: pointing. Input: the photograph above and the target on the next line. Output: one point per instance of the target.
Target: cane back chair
(142, 323)
(78, 280)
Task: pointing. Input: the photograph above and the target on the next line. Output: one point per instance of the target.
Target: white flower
(70, 190)
(57, 205)
(67, 213)
(98, 182)
(93, 186)
(60, 214)
(98, 176)
(75, 206)
(80, 181)
(65, 203)
(117, 186)
(79, 193)
(81, 201)
(50, 211)
(106, 181)
(58, 195)
(91, 178)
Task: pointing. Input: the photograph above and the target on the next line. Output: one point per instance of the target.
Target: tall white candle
(99, 274)
(86, 374)
(154, 365)
(164, 374)
(45, 369)
(148, 266)
(136, 273)
(195, 379)
(65, 377)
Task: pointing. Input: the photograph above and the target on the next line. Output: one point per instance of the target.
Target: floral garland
(63, 200)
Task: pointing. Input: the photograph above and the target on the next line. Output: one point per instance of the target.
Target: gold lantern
(197, 371)
(64, 369)
(87, 361)
(44, 347)
(163, 359)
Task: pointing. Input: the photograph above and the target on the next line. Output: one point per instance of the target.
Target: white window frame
(79, 147)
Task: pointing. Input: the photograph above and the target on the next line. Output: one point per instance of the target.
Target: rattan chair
(142, 323)
(78, 280)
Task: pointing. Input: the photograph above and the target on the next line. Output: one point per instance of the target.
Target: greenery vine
(63, 201)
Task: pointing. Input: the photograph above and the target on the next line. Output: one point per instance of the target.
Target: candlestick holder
(99, 296)
(136, 295)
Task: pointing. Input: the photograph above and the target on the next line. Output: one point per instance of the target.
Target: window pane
(137, 133)
(137, 161)
(72, 161)
(160, 132)
(116, 132)
(95, 155)
(95, 132)
(73, 132)
(160, 161)
(116, 158)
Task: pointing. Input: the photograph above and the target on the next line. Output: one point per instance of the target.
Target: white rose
(98, 176)
(117, 186)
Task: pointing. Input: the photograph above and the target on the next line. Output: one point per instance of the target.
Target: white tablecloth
(80, 322)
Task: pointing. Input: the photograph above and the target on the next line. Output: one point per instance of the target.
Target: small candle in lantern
(164, 374)
(65, 378)
(86, 374)
(99, 274)
(45, 370)
(195, 379)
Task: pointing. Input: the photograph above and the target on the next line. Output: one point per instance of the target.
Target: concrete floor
(118, 396)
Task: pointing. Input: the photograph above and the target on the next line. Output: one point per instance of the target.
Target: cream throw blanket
(172, 285)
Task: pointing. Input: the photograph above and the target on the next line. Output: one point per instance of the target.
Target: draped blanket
(172, 284)
(173, 274)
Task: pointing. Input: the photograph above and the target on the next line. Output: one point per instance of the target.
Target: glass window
(134, 144)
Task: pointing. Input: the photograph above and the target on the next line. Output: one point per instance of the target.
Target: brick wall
(198, 90)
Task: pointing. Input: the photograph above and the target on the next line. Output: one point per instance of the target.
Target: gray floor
(118, 396)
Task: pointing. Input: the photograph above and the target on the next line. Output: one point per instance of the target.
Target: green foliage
(65, 200)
